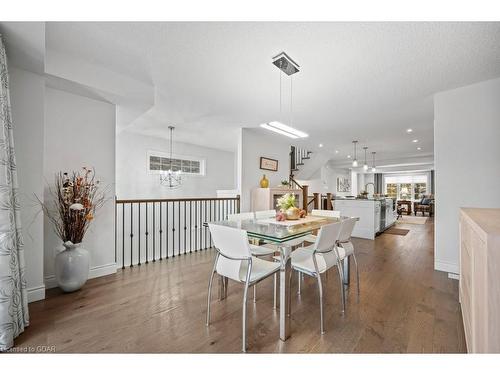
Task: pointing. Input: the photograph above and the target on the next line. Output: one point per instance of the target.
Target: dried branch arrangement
(75, 201)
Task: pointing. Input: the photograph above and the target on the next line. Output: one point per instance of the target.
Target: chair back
(232, 244)
(325, 213)
(265, 214)
(327, 237)
(241, 216)
(347, 228)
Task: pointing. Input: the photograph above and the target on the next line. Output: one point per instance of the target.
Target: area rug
(407, 219)
(397, 231)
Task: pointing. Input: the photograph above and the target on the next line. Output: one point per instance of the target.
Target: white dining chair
(257, 251)
(345, 243)
(234, 260)
(241, 216)
(267, 214)
(312, 237)
(318, 258)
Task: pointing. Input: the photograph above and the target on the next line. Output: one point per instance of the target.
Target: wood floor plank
(405, 306)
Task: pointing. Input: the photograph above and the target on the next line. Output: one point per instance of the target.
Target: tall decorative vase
(264, 182)
(72, 267)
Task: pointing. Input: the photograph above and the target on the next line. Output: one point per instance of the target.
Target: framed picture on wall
(343, 185)
(268, 164)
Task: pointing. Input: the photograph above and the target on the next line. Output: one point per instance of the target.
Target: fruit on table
(302, 213)
(280, 216)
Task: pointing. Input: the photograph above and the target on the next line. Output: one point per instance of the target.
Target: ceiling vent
(285, 63)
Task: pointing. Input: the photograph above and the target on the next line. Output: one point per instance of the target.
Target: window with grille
(159, 162)
(406, 187)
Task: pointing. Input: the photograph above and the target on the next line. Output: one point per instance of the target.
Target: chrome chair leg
(320, 289)
(299, 274)
(275, 297)
(341, 281)
(244, 322)
(255, 293)
(210, 281)
(357, 272)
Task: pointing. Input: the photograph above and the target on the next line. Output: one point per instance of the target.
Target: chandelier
(170, 178)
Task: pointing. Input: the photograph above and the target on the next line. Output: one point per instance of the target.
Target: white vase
(72, 267)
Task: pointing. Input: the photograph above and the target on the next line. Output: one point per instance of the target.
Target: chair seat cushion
(260, 251)
(260, 269)
(302, 259)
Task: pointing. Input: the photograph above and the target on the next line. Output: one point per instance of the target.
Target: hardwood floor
(405, 306)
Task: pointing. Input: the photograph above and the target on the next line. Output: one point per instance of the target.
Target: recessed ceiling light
(348, 156)
(320, 145)
(336, 151)
(283, 129)
(415, 141)
(409, 130)
(419, 148)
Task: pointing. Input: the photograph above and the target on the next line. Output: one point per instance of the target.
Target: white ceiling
(364, 81)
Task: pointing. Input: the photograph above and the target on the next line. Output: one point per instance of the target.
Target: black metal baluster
(147, 233)
(173, 229)
(131, 234)
(195, 226)
(123, 235)
(166, 229)
(154, 232)
(161, 230)
(139, 232)
(190, 226)
(179, 231)
(205, 228)
(185, 227)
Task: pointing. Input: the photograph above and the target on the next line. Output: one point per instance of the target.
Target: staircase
(297, 158)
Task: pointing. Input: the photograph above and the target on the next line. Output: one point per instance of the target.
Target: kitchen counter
(375, 215)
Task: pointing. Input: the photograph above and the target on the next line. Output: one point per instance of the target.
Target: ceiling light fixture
(419, 148)
(355, 161)
(348, 156)
(365, 165)
(283, 129)
(373, 164)
(287, 65)
(409, 130)
(415, 141)
(169, 178)
(320, 145)
(336, 151)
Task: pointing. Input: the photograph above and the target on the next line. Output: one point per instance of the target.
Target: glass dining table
(280, 233)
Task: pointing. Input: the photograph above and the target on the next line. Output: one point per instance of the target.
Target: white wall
(255, 143)
(133, 180)
(467, 159)
(81, 132)
(27, 92)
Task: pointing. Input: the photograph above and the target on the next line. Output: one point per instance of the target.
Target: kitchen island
(375, 215)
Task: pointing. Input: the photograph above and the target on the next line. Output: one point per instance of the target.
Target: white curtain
(14, 315)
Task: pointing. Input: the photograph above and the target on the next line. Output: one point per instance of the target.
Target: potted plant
(286, 204)
(285, 183)
(75, 200)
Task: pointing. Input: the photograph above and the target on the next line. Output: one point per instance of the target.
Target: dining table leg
(346, 271)
(285, 272)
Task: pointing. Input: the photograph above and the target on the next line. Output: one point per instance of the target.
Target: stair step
(306, 157)
(294, 169)
(299, 164)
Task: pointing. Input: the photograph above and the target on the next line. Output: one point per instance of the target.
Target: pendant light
(355, 161)
(169, 178)
(365, 165)
(373, 164)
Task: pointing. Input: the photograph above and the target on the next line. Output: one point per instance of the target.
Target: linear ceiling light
(283, 129)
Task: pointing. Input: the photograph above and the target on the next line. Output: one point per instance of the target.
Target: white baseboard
(97, 271)
(36, 294)
(446, 267)
(454, 276)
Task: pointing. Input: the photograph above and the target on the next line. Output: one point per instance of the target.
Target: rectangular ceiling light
(283, 129)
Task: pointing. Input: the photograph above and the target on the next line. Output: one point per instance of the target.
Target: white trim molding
(446, 267)
(98, 271)
(36, 293)
(454, 276)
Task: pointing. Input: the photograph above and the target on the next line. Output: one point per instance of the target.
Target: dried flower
(77, 197)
